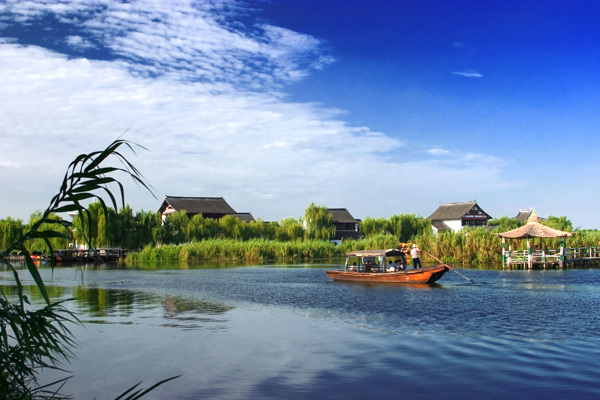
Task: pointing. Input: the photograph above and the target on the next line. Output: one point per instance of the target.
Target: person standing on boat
(414, 253)
(402, 259)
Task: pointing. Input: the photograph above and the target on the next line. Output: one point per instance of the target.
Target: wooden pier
(561, 258)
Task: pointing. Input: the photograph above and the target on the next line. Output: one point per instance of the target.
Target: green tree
(230, 227)
(404, 226)
(290, 230)
(318, 223)
(10, 231)
(47, 223)
(262, 229)
(175, 227)
(504, 224)
(373, 226)
(145, 225)
(560, 223)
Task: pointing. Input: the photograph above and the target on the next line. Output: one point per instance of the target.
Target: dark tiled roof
(449, 211)
(523, 215)
(455, 211)
(246, 217)
(341, 216)
(197, 205)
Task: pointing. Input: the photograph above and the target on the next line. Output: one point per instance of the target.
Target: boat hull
(420, 275)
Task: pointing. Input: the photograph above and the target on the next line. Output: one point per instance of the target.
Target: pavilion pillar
(503, 255)
(529, 255)
(561, 262)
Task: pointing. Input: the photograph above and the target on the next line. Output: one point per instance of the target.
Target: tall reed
(231, 249)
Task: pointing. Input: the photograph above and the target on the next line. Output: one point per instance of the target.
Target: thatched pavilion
(533, 229)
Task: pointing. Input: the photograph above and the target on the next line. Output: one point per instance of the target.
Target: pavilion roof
(533, 229)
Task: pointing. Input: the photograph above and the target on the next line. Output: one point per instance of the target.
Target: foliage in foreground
(34, 339)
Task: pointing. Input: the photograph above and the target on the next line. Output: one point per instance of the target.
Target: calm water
(288, 332)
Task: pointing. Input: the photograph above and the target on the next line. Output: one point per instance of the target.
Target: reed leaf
(31, 340)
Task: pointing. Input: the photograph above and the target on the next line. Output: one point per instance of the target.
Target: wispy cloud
(438, 152)
(79, 43)
(468, 74)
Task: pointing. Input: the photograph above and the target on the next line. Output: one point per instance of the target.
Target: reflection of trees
(99, 302)
(33, 292)
(104, 302)
(177, 307)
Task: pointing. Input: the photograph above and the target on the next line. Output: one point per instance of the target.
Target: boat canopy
(375, 253)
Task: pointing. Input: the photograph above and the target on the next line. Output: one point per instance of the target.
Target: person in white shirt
(414, 253)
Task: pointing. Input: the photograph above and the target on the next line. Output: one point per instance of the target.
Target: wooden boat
(378, 274)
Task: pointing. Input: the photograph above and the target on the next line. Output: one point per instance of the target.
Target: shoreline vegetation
(198, 239)
(472, 247)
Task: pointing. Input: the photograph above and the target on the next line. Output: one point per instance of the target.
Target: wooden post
(544, 258)
(529, 254)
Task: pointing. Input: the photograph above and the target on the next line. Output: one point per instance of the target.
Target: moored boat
(372, 269)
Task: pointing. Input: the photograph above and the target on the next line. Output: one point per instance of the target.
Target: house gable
(455, 216)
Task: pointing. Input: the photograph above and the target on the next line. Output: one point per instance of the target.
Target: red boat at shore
(371, 269)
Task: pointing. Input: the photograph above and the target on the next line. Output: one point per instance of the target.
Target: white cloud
(78, 43)
(438, 152)
(469, 74)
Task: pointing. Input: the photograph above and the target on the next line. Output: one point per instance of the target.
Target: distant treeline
(184, 239)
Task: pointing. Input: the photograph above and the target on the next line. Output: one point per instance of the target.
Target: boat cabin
(371, 260)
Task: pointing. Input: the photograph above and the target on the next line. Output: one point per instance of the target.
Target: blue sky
(382, 107)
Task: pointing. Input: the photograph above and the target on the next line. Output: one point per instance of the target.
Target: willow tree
(373, 226)
(289, 230)
(318, 223)
(10, 232)
(45, 245)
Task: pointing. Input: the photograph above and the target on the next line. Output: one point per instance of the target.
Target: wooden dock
(542, 259)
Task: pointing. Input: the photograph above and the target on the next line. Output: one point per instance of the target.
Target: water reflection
(34, 294)
(405, 285)
(193, 314)
(106, 302)
(125, 306)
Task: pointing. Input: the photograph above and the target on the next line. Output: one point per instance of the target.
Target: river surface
(288, 332)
